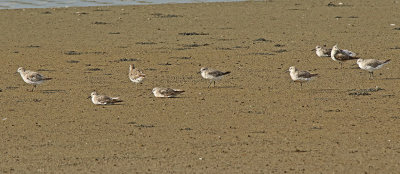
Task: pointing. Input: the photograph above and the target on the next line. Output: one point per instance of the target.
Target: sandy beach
(254, 121)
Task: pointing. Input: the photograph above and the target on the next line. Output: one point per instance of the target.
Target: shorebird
(103, 100)
(212, 74)
(300, 76)
(135, 75)
(166, 92)
(371, 65)
(322, 51)
(342, 55)
(32, 77)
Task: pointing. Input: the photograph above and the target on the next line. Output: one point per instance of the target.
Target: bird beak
(89, 97)
(287, 71)
(313, 49)
(16, 72)
(198, 72)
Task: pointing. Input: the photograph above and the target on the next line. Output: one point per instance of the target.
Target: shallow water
(14, 4)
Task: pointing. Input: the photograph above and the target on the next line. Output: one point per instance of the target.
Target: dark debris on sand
(195, 45)
(94, 69)
(263, 54)
(165, 64)
(359, 92)
(126, 60)
(192, 33)
(160, 15)
(184, 58)
(72, 53)
(146, 43)
(100, 23)
(33, 46)
(144, 126)
(261, 40)
(72, 61)
(280, 51)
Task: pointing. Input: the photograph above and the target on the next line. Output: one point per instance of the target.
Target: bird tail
(179, 91)
(387, 61)
(116, 99)
(353, 58)
(47, 78)
(312, 75)
(225, 73)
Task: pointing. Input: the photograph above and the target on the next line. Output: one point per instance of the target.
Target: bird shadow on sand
(114, 104)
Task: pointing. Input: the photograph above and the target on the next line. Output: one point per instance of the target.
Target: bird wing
(170, 92)
(136, 73)
(104, 99)
(373, 63)
(341, 56)
(167, 91)
(348, 53)
(216, 73)
(34, 76)
(305, 74)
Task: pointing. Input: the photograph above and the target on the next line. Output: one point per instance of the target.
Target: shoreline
(99, 5)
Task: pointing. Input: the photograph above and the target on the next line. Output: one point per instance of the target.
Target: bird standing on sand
(300, 76)
(166, 92)
(371, 65)
(135, 75)
(212, 74)
(32, 77)
(103, 100)
(342, 55)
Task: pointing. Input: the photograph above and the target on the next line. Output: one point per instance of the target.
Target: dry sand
(254, 121)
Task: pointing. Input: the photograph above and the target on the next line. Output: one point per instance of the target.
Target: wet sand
(254, 121)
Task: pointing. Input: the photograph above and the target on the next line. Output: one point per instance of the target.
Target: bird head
(20, 69)
(94, 93)
(292, 69)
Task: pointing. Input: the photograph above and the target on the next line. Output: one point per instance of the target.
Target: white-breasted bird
(342, 55)
(323, 51)
(166, 92)
(103, 100)
(371, 65)
(300, 76)
(135, 75)
(32, 77)
(212, 74)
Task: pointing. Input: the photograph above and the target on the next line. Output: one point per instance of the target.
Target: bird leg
(34, 86)
(214, 83)
(210, 84)
(371, 75)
